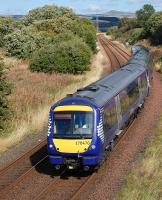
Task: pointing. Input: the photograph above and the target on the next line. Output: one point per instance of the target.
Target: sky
(9, 7)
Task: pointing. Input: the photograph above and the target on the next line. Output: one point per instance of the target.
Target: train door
(118, 111)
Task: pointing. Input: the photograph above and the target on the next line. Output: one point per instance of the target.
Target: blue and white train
(84, 125)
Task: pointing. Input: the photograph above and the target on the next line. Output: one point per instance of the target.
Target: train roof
(102, 90)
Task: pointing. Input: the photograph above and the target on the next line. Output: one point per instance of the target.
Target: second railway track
(116, 55)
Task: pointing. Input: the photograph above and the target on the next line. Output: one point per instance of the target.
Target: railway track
(116, 55)
(21, 166)
(61, 188)
(63, 185)
(28, 165)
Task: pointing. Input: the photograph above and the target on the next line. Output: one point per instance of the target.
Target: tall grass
(34, 93)
(145, 181)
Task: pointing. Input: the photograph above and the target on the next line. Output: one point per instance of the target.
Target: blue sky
(79, 6)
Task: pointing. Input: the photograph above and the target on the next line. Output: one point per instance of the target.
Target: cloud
(94, 8)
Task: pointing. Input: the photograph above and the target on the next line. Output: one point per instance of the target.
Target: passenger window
(133, 94)
(124, 101)
(109, 118)
(143, 84)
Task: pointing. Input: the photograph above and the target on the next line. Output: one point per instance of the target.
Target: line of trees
(147, 24)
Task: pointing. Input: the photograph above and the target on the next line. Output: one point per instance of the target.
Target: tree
(6, 27)
(153, 27)
(48, 12)
(69, 56)
(144, 14)
(127, 24)
(5, 90)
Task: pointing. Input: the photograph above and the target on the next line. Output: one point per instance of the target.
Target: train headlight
(50, 146)
(93, 146)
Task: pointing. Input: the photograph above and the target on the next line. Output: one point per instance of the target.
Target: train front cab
(72, 137)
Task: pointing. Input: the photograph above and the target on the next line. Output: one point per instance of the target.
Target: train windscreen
(73, 124)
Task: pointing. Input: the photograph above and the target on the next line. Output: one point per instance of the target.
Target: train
(83, 126)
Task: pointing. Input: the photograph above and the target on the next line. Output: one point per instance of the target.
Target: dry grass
(34, 93)
(145, 181)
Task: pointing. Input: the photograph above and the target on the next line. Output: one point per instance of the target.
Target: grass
(145, 181)
(34, 93)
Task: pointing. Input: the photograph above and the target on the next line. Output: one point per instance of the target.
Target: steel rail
(109, 53)
(13, 184)
(24, 155)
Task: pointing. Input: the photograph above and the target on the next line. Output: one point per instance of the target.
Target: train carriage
(83, 125)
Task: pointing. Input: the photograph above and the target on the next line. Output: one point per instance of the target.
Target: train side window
(133, 94)
(124, 101)
(109, 118)
(143, 83)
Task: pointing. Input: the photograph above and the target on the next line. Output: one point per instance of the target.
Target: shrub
(71, 56)
(144, 14)
(114, 32)
(22, 43)
(48, 12)
(127, 24)
(86, 30)
(134, 35)
(81, 27)
(153, 27)
(6, 27)
(5, 90)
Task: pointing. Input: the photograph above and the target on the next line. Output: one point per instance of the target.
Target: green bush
(5, 90)
(86, 30)
(71, 56)
(133, 35)
(153, 27)
(6, 27)
(114, 32)
(22, 43)
(48, 12)
(144, 14)
(81, 27)
(127, 24)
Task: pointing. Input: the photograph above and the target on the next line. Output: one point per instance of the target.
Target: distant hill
(120, 14)
(102, 22)
(17, 16)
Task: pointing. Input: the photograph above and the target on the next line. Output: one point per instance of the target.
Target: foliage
(132, 36)
(144, 14)
(81, 27)
(56, 25)
(86, 30)
(41, 29)
(5, 90)
(6, 27)
(154, 27)
(48, 12)
(127, 24)
(22, 43)
(115, 32)
(72, 56)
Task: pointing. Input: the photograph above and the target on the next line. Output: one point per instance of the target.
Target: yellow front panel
(72, 145)
(73, 108)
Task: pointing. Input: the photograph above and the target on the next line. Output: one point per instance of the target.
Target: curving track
(116, 55)
(32, 177)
